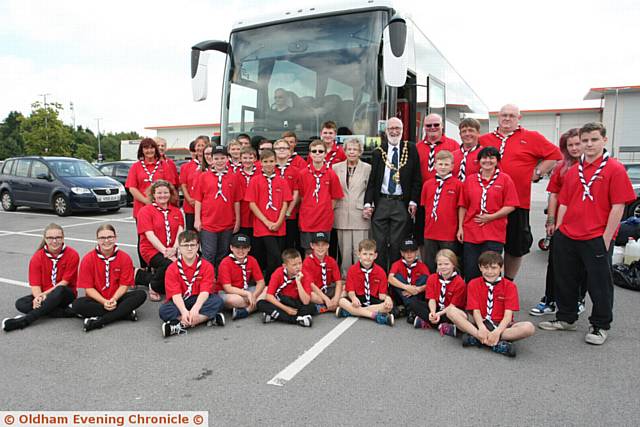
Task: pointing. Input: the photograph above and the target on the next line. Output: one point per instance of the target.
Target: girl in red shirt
(53, 271)
(188, 177)
(106, 273)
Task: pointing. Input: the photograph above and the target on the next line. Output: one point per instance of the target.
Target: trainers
(219, 320)
(173, 327)
(266, 318)
(91, 323)
(239, 313)
(385, 319)
(596, 336)
(543, 308)
(321, 308)
(580, 307)
(133, 316)
(305, 321)
(505, 347)
(557, 325)
(341, 312)
(470, 341)
(447, 329)
(12, 323)
(411, 317)
(418, 323)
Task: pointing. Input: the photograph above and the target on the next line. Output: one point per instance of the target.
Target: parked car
(633, 170)
(118, 171)
(62, 184)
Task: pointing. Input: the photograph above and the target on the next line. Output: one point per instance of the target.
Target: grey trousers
(390, 225)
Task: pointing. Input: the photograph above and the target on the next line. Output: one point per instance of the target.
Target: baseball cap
(219, 149)
(240, 240)
(320, 237)
(409, 245)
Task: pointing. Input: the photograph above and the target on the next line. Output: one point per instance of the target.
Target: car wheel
(61, 205)
(635, 208)
(7, 202)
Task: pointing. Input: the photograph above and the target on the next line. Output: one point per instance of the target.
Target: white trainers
(596, 336)
(305, 321)
(557, 325)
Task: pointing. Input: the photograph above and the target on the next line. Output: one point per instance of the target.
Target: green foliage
(44, 133)
(11, 141)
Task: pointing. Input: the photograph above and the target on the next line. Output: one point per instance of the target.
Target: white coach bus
(355, 65)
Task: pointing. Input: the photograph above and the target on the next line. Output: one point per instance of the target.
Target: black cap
(408, 245)
(219, 149)
(240, 240)
(319, 237)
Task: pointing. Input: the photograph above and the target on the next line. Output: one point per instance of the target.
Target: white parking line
(9, 233)
(72, 239)
(308, 356)
(124, 218)
(14, 282)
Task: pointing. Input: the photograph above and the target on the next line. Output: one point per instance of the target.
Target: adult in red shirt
(158, 228)
(465, 159)
(148, 169)
(319, 190)
(288, 167)
(106, 274)
(169, 163)
(188, 177)
(526, 156)
(53, 271)
(599, 185)
(482, 219)
(292, 139)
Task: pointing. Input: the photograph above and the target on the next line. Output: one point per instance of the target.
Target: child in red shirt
(106, 274)
(188, 177)
(268, 196)
(241, 278)
(53, 271)
(323, 273)
(367, 288)
(492, 300)
(445, 289)
(189, 284)
(249, 168)
(289, 169)
(440, 198)
(234, 148)
(408, 278)
(288, 297)
(333, 153)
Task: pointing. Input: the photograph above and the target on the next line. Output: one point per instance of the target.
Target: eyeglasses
(189, 245)
(395, 128)
(317, 151)
(105, 238)
(53, 238)
(432, 125)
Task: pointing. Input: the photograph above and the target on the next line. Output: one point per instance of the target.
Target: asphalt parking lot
(368, 375)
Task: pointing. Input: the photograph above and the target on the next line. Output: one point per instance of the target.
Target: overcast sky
(127, 62)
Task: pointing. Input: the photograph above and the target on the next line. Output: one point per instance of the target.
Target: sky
(128, 62)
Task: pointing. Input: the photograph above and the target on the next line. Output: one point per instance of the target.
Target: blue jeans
(215, 246)
(397, 292)
(470, 254)
(211, 307)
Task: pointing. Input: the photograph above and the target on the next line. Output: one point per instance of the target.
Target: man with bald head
(526, 157)
(393, 192)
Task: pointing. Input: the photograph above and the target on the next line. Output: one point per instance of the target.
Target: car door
(21, 185)
(42, 183)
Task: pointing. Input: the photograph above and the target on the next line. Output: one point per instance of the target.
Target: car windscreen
(70, 168)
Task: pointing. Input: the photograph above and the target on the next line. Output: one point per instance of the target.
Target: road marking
(14, 282)
(75, 217)
(72, 239)
(308, 356)
(9, 233)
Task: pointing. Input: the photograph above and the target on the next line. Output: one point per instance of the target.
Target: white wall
(182, 137)
(627, 126)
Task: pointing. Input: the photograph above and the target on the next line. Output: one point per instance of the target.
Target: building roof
(205, 125)
(599, 92)
(554, 110)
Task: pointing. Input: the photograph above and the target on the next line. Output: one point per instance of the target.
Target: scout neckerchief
(367, 284)
(432, 154)
(152, 173)
(269, 179)
(234, 166)
(186, 281)
(587, 187)
(409, 268)
(317, 176)
(323, 271)
(167, 226)
(485, 190)
(462, 173)
(490, 288)
(443, 288)
(54, 260)
(220, 175)
(284, 167)
(243, 267)
(504, 139)
(284, 284)
(436, 199)
(248, 175)
(332, 155)
(107, 262)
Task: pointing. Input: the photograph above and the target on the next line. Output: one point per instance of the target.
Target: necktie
(392, 173)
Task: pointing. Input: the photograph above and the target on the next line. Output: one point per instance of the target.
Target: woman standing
(53, 271)
(350, 222)
(106, 273)
(188, 178)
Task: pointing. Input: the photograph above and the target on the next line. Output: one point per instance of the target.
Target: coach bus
(356, 66)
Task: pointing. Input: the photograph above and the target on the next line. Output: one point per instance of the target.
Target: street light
(46, 115)
(99, 147)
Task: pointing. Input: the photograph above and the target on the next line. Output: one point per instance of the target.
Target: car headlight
(80, 190)
(121, 189)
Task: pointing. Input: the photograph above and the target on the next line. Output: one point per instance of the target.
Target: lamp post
(99, 147)
(46, 123)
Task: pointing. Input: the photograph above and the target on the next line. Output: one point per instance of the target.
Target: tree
(86, 152)
(44, 133)
(11, 141)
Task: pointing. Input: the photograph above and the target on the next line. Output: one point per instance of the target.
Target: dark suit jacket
(410, 176)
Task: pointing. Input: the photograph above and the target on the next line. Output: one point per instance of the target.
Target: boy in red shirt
(367, 288)
(241, 278)
(292, 139)
(322, 271)
(492, 299)
(189, 286)
(592, 201)
(234, 148)
(319, 190)
(289, 169)
(217, 210)
(408, 277)
(440, 198)
(269, 196)
(288, 296)
(333, 153)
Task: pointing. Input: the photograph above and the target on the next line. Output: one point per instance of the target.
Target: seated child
(492, 300)
(367, 288)
(323, 273)
(408, 277)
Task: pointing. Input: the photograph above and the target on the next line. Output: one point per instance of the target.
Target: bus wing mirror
(199, 60)
(395, 53)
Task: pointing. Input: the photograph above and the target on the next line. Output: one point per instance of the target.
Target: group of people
(420, 232)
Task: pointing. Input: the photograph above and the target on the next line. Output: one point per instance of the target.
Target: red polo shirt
(587, 219)
(420, 269)
(502, 193)
(318, 215)
(292, 176)
(175, 285)
(471, 167)
(445, 228)
(172, 172)
(137, 178)
(424, 148)
(505, 297)
(258, 193)
(40, 267)
(524, 149)
(298, 161)
(151, 219)
(291, 290)
(229, 273)
(334, 155)
(217, 214)
(455, 293)
(246, 216)
(313, 271)
(378, 281)
(92, 273)
(188, 176)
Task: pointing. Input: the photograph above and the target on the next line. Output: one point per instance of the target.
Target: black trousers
(189, 219)
(390, 225)
(159, 264)
(303, 310)
(549, 291)
(143, 263)
(470, 254)
(421, 308)
(87, 307)
(56, 304)
(573, 260)
(292, 239)
(271, 248)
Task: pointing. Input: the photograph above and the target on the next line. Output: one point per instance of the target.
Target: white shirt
(387, 172)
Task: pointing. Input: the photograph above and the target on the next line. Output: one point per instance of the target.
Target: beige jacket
(348, 211)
